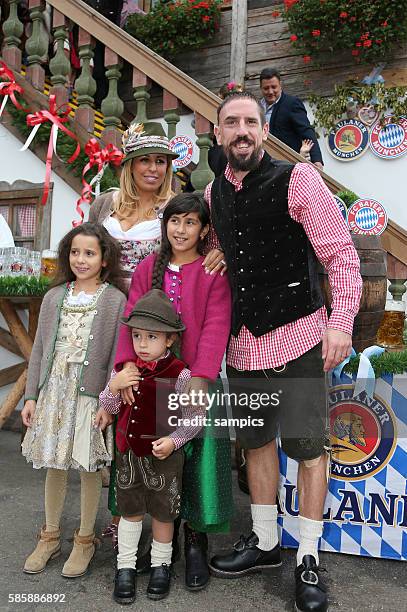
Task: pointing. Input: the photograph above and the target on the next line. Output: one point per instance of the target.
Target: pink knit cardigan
(206, 313)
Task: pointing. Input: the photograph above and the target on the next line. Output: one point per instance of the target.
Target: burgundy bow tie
(147, 365)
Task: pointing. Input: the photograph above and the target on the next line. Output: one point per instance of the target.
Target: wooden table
(19, 341)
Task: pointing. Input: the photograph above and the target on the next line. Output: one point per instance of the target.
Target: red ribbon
(10, 87)
(97, 157)
(57, 121)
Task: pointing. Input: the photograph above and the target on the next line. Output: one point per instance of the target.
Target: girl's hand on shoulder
(27, 413)
(197, 389)
(103, 419)
(215, 262)
(126, 381)
(163, 447)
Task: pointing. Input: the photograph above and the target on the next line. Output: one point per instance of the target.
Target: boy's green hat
(154, 312)
(145, 138)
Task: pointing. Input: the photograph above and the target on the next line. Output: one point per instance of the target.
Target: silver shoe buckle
(309, 577)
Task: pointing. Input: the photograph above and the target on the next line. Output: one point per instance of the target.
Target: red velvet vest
(137, 424)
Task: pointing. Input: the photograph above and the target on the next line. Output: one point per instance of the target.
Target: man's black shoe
(310, 593)
(245, 558)
(196, 559)
(160, 582)
(125, 586)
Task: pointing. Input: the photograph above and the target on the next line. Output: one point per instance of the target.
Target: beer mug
(48, 263)
(390, 332)
(34, 264)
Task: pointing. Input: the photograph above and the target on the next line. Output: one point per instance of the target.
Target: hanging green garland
(387, 363)
(23, 286)
(351, 95)
(65, 147)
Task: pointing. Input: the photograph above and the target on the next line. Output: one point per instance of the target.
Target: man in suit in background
(286, 115)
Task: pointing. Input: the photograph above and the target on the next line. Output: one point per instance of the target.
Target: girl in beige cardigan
(70, 363)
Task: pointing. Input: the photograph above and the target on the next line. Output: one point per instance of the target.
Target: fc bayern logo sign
(367, 217)
(363, 434)
(389, 140)
(348, 140)
(184, 146)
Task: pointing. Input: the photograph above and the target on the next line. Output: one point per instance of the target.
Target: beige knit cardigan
(100, 352)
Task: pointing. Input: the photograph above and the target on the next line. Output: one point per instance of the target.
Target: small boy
(149, 470)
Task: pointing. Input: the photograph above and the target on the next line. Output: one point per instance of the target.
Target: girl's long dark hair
(110, 248)
(181, 204)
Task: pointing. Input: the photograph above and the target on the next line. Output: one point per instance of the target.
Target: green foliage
(348, 197)
(368, 30)
(22, 286)
(176, 26)
(387, 363)
(351, 95)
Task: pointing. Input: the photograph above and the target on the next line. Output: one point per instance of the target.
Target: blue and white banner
(366, 506)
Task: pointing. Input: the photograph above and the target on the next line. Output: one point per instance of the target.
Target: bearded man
(273, 221)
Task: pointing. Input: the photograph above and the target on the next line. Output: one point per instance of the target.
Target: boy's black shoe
(196, 559)
(245, 559)
(160, 582)
(310, 592)
(125, 586)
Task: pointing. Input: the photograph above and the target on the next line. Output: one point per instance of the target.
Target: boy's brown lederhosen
(149, 485)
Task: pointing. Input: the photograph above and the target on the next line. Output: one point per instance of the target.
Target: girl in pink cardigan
(204, 303)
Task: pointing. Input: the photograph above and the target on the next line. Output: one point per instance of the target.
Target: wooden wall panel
(269, 45)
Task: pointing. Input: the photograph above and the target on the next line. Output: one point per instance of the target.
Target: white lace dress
(63, 434)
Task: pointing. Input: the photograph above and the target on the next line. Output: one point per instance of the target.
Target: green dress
(207, 501)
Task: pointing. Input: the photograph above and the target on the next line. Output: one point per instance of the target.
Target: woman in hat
(131, 213)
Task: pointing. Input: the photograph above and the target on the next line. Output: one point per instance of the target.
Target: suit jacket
(289, 123)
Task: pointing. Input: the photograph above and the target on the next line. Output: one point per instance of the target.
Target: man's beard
(243, 164)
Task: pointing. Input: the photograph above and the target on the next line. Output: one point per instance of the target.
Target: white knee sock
(160, 553)
(310, 532)
(129, 533)
(265, 525)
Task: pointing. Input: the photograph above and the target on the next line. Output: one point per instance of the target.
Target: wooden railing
(146, 68)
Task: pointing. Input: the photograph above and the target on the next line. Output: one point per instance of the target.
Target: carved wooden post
(112, 106)
(85, 84)
(12, 30)
(171, 116)
(239, 41)
(397, 275)
(141, 85)
(202, 175)
(36, 46)
(59, 65)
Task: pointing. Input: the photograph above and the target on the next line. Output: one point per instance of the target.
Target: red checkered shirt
(311, 204)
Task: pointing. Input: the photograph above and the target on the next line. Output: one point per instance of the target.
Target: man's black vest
(272, 266)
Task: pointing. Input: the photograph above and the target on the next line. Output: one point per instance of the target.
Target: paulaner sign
(366, 505)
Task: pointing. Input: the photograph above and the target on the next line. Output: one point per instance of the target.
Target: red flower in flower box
(275, 14)
(355, 52)
(343, 15)
(307, 59)
(206, 18)
(367, 43)
(293, 37)
(316, 33)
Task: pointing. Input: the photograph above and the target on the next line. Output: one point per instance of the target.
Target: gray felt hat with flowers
(145, 138)
(154, 312)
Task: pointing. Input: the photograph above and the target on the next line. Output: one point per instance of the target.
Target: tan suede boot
(80, 557)
(48, 547)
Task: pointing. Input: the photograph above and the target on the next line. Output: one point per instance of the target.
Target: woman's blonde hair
(126, 200)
